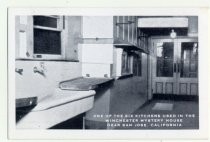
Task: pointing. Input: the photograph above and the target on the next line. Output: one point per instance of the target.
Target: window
(47, 42)
(46, 21)
(47, 37)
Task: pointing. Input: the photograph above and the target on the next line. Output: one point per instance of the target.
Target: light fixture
(173, 34)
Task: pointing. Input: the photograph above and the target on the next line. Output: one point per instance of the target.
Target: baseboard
(175, 97)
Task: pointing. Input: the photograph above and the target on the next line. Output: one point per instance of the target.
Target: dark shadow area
(175, 97)
(73, 123)
(22, 111)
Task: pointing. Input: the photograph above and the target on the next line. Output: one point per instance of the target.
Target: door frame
(152, 56)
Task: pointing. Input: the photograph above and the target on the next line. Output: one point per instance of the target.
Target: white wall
(96, 59)
(34, 84)
(97, 26)
(96, 53)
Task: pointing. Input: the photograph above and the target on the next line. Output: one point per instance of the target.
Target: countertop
(84, 83)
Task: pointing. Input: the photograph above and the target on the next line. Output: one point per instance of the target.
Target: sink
(56, 108)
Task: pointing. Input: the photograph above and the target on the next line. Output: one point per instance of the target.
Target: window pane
(165, 59)
(47, 42)
(45, 21)
(189, 59)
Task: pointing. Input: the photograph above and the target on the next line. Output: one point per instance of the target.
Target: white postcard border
(202, 133)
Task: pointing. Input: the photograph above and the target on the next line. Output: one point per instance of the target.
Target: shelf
(53, 60)
(84, 83)
(124, 76)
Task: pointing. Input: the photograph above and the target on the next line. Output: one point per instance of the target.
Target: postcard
(107, 73)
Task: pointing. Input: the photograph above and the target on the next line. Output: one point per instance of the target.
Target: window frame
(60, 28)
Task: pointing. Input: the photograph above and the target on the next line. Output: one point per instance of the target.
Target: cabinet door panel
(139, 38)
(134, 31)
(130, 30)
(115, 27)
(126, 29)
(121, 28)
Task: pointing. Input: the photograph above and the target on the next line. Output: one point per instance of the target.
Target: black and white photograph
(106, 72)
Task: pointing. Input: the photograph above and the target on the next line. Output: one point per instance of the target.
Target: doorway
(175, 66)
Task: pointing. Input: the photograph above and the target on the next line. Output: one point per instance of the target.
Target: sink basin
(56, 108)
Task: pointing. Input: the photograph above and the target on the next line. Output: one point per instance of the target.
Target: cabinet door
(121, 28)
(130, 29)
(142, 40)
(134, 31)
(126, 30)
(115, 27)
(139, 42)
(126, 27)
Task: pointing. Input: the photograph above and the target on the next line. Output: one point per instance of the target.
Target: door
(175, 66)
(164, 67)
(187, 63)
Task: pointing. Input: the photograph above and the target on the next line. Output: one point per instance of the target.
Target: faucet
(20, 71)
(40, 71)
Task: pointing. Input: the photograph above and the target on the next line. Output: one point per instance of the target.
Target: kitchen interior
(68, 69)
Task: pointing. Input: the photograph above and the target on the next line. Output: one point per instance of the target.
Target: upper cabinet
(125, 30)
(126, 33)
(122, 31)
(142, 41)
